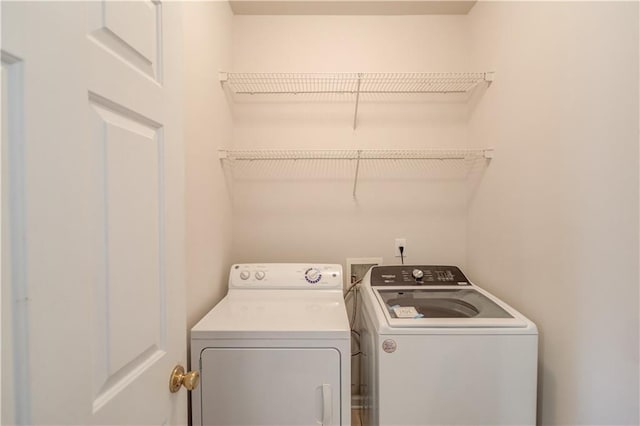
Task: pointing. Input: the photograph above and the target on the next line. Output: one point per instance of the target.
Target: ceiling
(351, 7)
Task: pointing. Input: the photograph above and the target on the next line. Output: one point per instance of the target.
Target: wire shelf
(353, 83)
(353, 154)
(460, 156)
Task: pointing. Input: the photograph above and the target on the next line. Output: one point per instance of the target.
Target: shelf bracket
(488, 153)
(223, 77)
(489, 77)
(355, 179)
(355, 115)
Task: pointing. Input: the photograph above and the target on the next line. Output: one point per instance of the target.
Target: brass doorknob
(179, 378)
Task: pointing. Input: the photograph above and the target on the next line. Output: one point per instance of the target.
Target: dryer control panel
(289, 276)
(403, 275)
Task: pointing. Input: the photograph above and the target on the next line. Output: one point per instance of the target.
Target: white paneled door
(93, 220)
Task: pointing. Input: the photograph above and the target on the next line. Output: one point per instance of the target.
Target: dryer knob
(417, 274)
(245, 275)
(260, 275)
(312, 275)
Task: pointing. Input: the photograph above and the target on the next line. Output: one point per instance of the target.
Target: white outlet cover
(400, 242)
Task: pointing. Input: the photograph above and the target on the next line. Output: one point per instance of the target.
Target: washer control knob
(417, 274)
(260, 275)
(244, 275)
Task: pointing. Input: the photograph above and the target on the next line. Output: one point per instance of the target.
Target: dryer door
(270, 386)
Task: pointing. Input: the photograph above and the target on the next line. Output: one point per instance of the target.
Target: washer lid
(444, 307)
(276, 314)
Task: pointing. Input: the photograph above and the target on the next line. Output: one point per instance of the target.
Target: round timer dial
(312, 275)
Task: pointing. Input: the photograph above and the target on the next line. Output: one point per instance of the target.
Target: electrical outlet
(358, 267)
(401, 242)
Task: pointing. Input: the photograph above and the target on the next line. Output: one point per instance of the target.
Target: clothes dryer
(275, 350)
(438, 350)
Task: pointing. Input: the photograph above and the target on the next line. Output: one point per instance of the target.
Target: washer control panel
(403, 275)
(285, 276)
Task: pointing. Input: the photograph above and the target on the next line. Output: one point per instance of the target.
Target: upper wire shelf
(353, 83)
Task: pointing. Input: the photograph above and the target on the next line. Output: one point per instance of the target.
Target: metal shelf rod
(355, 115)
(355, 179)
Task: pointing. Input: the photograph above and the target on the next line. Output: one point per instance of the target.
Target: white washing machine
(275, 350)
(438, 350)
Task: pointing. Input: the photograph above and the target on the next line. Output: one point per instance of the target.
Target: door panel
(133, 284)
(131, 31)
(103, 210)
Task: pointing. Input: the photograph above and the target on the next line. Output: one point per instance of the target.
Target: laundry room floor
(355, 417)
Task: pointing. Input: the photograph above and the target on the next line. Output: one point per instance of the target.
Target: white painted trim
(16, 210)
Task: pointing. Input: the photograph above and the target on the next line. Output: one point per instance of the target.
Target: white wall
(207, 43)
(553, 225)
(305, 211)
(555, 213)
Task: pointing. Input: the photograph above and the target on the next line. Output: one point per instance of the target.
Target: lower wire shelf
(469, 155)
(356, 154)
